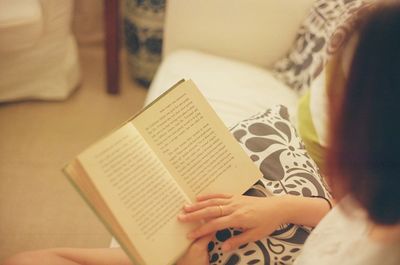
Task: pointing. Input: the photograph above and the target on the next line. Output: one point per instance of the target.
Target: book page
(140, 192)
(81, 181)
(194, 144)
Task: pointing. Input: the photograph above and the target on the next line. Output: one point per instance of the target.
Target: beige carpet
(38, 206)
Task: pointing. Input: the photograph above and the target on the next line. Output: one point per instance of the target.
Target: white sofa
(39, 58)
(227, 47)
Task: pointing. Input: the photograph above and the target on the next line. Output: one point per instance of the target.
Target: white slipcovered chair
(39, 58)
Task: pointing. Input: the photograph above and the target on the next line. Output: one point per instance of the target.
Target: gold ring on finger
(221, 212)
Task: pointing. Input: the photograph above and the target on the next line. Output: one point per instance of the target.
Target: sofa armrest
(254, 31)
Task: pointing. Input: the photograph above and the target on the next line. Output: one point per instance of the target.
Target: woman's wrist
(306, 211)
(286, 208)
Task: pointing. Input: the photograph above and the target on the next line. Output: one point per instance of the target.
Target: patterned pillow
(272, 143)
(322, 32)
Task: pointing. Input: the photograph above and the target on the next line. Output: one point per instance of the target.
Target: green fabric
(308, 133)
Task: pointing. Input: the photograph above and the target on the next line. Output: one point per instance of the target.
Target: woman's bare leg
(71, 256)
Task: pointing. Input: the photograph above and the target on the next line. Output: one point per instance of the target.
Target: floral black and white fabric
(273, 144)
(321, 33)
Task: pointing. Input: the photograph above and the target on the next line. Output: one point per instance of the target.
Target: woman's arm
(257, 217)
(306, 211)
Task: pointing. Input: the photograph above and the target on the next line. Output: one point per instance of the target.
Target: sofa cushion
(321, 33)
(234, 89)
(272, 143)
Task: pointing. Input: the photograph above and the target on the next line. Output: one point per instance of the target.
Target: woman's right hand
(197, 254)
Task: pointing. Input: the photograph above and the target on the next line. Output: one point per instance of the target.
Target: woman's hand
(257, 217)
(197, 253)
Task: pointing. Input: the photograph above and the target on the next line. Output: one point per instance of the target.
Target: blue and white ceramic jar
(143, 30)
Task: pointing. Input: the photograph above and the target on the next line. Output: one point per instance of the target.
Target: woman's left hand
(256, 217)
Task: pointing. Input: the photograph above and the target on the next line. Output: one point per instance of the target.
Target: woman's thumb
(203, 241)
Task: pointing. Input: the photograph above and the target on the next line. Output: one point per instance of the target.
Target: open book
(137, 178)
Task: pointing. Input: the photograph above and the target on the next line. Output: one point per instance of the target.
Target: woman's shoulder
(342, 237)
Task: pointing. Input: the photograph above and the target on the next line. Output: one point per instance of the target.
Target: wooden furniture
(111, 15)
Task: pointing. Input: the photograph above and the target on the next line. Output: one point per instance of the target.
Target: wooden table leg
(111, 15)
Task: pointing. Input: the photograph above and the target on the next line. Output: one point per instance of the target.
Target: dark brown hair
(364, 151)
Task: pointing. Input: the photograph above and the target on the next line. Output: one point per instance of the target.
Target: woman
(362, 164)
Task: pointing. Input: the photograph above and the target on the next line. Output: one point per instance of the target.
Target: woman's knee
(29, 258)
